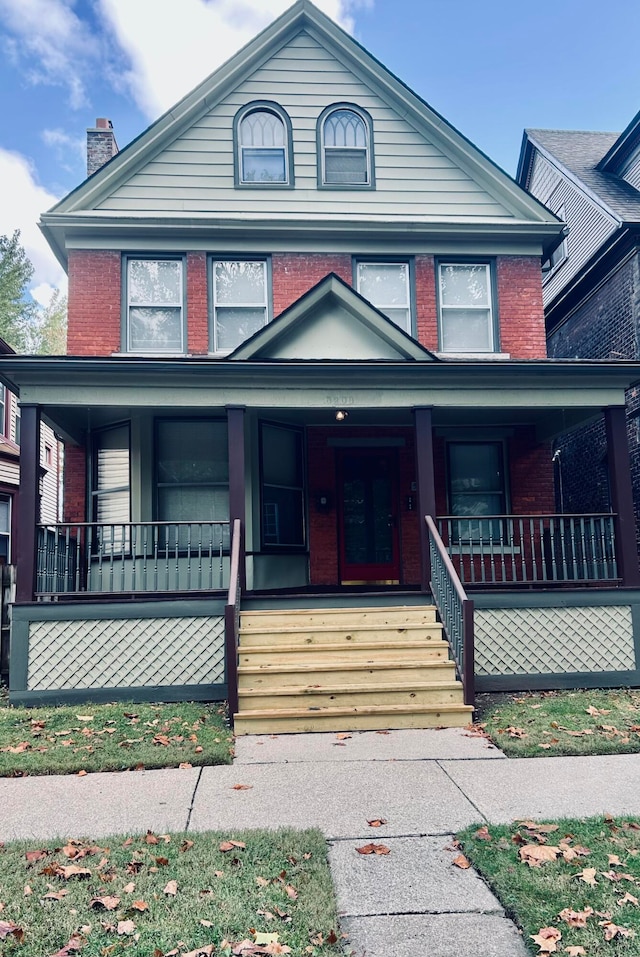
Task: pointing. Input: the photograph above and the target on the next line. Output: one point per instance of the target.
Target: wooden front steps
(346, 669)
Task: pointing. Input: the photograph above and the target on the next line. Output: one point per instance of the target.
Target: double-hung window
(476, 487)
(466, 311)
(345, 144)
(111, 497)
(387, 286)
(282, 472)
(240, 305)
(263, 146)
(155, 306)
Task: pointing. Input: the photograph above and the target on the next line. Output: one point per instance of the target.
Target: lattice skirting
(554, 640)
(125, 653)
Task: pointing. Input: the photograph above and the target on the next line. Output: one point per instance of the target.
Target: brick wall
(95, 303)
(293, 274)
(75, 484)
(197, 304)
(522, 330)
(603, 326)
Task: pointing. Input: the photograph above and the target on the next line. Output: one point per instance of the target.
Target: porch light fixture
(341, 415)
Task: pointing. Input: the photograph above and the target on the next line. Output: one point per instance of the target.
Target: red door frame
(378, 574)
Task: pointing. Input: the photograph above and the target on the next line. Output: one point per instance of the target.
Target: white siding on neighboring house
(413, 176)
(9, 472)
(589, 224)
(49, 482)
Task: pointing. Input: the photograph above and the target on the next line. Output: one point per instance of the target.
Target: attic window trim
(321, 147)
(266, 106)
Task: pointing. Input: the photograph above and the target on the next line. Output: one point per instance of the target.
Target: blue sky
(491, 67)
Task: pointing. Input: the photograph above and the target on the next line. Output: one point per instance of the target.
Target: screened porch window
(192, 469)
(155, 299)
(387, 287)
(111, 496)
(476, 487)
(466, 309)
(240, 305)
(282, 472)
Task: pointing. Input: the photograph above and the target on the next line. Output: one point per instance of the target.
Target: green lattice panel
(554, 640)
(125, 653)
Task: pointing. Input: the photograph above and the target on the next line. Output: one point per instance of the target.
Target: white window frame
(442, 309)
(128, 305)
(4, 402)
(382, 307)
(235, 305)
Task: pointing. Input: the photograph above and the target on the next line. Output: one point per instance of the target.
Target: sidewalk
(426, 784)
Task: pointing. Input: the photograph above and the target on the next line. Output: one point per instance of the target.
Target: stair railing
(232, 618)
(454, 608)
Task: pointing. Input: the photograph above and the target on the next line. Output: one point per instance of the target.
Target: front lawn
(562, 722)
(111, 737)
(574, 885)
(169, 894)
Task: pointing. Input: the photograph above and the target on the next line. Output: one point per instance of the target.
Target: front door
(368, 517)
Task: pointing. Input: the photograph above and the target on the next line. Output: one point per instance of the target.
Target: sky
(490, 67)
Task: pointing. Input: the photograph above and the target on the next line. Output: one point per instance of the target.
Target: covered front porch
(326, 470)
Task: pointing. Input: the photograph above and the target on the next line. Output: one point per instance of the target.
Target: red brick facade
(95, 299)
(75, 484)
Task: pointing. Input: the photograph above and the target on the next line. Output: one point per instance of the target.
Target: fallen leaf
(171, 889)
(81, 774)
(628, 899)
(33, 856)
(55, 895)
(126, 928)
(292, 892)
(377, 822)
(8, 927)
(541, 828)
(575, 951)
(614, 859)
(129, 888)
(241, 787)
(588, 875)
(71, 947)
(72, 870)
(184, 766)
(516, 732)
(576, 918)
(230, 845)
(139, 906)
(535, 855)
(482, 834)
(106, 903)
(612, 930)
(186, 845)
(373, 849)
(546, 939)
(150, 838)
(461, 862)
(343, 736)
(262, 881)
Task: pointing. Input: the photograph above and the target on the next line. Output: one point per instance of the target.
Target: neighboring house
(591, 282)
(305, 316)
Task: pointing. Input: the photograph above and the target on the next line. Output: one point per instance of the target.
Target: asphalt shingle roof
(580, 152)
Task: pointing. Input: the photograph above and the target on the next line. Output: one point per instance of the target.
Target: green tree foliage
(24, 325)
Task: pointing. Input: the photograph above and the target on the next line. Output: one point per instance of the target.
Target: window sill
(151, 355)
(484, 356)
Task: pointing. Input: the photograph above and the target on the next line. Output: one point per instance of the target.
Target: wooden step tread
(353, 710)
(333, 628)
(376, 665)
(305, 690)
(377, 609)
(306, 648)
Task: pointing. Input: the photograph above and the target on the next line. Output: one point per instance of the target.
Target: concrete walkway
(426, 784)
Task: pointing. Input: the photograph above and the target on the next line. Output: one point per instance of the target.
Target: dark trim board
(166, 693)
(96, 610)
(558, 682)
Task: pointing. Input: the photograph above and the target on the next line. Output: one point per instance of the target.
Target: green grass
(111, 737)
(278, 884)
(563, 722)
(535, 896)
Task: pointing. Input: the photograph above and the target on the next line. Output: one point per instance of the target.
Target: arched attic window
(263, 146)
(345, 147)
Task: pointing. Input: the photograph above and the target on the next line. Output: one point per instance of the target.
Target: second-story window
(155, 306)
(345, 146)
(466, 313)
(387, 286)
(263, 146)
(240, 306)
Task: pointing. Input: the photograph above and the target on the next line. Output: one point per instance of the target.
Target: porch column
(235, 428)
(425, 473)
(28, 502)
(615, 418)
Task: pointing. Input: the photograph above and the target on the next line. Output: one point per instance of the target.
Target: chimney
(101, 145)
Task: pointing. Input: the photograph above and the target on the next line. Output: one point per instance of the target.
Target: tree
(50, 328)
(17, 310)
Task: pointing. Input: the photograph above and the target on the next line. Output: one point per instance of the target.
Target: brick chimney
(101, 145)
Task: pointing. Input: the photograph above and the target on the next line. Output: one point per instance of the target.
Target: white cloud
(172, 47)
(51, 41)
(22, 200)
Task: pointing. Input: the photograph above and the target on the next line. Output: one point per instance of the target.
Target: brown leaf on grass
(588, 875)
(594, 711)
(27, 890)
(126, 928)
(8, 927)
(162, 861)
(612, 930)
(373, 849)
(203, 951)
(150, 838)
(516, 732)
(161, 739)
(129, 888)
(230, 845)
(546, 939)
(209, 923)
(461, 862)
(482, 834)
(575, 951)
(628, 899)
(171, 889)
(55, 895)
(184, 766)
(241, 787)
(104, 903)
(576, 918)
(81, 774)
(72, 870)
(291, 892)
(614, 859)
(540, 828)
(377, 822)
(33, 856)
(186, 845)
(536, 855)
(73, 945)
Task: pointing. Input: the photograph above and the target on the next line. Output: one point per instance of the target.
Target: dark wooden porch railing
(232, 618)
(531, 549)
(130, 557)
(454, 608)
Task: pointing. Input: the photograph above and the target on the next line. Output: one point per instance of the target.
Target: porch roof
(551, 394)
